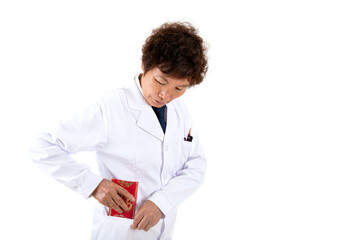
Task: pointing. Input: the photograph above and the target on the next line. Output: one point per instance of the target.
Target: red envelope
(131, 187)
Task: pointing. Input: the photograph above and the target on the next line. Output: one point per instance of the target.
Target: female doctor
(139, 133)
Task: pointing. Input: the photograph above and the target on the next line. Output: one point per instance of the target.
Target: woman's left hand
(147, 216)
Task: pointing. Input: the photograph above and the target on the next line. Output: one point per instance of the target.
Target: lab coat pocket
(115, 228)
(118, 220)
(185, 149)
(119, 228)
(183, 153)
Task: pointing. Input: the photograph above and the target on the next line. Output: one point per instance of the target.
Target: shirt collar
(137, 80)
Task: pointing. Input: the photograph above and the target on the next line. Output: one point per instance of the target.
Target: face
(160, 89)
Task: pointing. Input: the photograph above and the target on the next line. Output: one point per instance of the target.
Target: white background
(275, 111)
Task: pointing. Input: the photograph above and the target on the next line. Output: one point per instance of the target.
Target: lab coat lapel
(172, 125)
(147, 119)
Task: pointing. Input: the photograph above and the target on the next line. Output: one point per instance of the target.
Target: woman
(141, 133)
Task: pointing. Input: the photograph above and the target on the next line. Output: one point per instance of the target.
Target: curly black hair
(177, 50)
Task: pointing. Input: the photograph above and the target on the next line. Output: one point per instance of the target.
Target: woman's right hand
(111, 195)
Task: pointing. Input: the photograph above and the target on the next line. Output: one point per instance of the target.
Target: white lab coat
(130, 145)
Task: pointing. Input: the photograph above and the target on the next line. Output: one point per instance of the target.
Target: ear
(142, 67)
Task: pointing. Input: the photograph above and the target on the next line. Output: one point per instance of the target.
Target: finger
(148, 226)
(138, 217)
(142, 224)
(114, 205)
(119, 202)
(122, 191)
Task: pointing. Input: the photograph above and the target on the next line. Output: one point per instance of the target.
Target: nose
(164, 94)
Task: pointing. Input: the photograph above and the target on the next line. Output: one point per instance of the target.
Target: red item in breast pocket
(131, 187)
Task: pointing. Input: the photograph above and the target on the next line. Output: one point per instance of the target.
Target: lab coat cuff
(161, 203)
(90, 184)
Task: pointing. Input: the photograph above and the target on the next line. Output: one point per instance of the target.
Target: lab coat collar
(135, 97)
(147, 119)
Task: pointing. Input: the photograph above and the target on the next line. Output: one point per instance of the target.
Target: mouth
(158, 102)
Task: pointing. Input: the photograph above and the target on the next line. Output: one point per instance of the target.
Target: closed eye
(159, 82)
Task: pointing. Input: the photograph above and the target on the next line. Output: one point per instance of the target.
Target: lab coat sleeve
(84, 131)
(186, 181)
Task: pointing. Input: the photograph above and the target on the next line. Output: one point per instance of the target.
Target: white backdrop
(275, 111)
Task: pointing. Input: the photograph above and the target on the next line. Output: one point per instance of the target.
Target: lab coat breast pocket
(184, 149)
